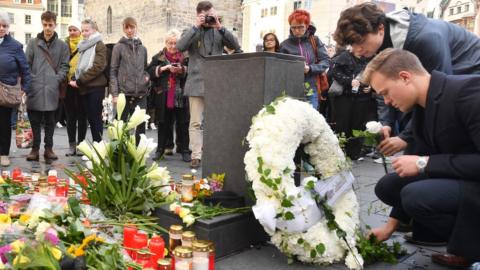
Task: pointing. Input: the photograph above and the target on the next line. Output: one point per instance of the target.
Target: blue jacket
(14, 63)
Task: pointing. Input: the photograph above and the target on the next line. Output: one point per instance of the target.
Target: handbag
(62, 87)
(321, 79)
(336, 89)
(10, 96)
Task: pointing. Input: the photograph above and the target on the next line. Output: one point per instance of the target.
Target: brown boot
(49, 154)
(34, 155)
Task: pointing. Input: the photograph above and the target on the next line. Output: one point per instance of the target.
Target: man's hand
(73, 84)
(199, 20)
(355, 83)
(406, 165)
(114, 99)
(217, 25)
(306, 68)
(391, 146)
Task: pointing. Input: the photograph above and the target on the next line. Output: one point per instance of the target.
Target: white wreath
(289, 214)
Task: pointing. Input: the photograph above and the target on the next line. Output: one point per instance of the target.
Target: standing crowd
(412, 73)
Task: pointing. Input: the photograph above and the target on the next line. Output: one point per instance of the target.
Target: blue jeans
(313, 99)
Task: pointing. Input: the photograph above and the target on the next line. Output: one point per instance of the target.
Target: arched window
(109, 20)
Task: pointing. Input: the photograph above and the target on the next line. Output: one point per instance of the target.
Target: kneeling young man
(438, 187)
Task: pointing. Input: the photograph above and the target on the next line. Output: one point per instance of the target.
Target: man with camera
(206, 37)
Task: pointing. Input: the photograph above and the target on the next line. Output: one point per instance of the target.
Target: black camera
(210, 20)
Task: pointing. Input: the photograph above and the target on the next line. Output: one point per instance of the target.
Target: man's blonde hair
(390, 62)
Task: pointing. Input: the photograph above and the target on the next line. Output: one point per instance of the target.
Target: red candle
(16, 173)
(140, 241)
(157, 247)
(211, 258)
(129, 233)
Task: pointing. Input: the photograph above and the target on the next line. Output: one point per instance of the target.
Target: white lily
(121, 101)
(188, 220)
(101, 151)
(139, 116)
(85, 148)
(115, 131)
(159, 176)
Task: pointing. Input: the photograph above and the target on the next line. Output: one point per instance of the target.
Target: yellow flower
(5, 219)
(2, 181)
(2, 266)
(79, 252)
(57, 254)
(71, 250)
(17, 246)
(24, 218)
(20, 260)
(184, 212)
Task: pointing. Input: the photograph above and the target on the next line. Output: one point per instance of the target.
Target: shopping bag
(23, 134)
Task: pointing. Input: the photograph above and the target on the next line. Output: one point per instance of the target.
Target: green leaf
(320, 248)
(310, 185)
(74, 206)
(287, 171)
(289, 216)
(278, 180)
(286, 203)
(267, 172)
(270, 109)
(313, 253)
(300, 241)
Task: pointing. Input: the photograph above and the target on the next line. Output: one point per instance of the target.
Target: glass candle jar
(187, 238)
(187, 188)
(183, 258)
(129, 232)
(143, 257)
(211, 256)
(175, 237)
(157, 248)
(43, 188)
(164, 264)
(200, 255)
(140, 241)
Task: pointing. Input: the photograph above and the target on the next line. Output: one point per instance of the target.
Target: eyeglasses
(297, 27)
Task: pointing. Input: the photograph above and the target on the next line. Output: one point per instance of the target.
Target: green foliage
(373, 251)
(105, 257)
(200, 210)
(9, 188)
(42, 254)
(369, 139)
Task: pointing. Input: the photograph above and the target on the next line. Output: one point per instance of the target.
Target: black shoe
(158, 156)
(409, 238)
(186, 157)
(168, 152)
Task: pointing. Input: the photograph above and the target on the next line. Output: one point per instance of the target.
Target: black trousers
(431, 204)
(352, 113)
(37, 118)
(75, 115)
(130, 105)
(5, 130)
(181, 118)
(92, 105)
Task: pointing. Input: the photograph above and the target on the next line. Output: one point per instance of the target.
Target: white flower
(41, 229)
(188, 220)
(139, 116)
(158, 175)
(89, 164)
(374, 127)
(141, 152)
(85, 148)
(100, 151)
(121, 101)
(115, 131)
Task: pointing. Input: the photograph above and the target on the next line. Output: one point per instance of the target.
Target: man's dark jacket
(448, 131)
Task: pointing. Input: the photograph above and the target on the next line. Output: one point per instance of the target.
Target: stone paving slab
(267, 257)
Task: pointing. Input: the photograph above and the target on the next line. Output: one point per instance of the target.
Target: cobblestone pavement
(373, 212)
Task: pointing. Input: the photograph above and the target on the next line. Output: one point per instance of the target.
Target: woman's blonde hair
(174, 33)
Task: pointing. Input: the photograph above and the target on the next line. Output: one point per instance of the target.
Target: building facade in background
(461, 12)
(24, 18)
(156, 17)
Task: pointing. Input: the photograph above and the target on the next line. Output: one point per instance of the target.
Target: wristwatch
(421, 164)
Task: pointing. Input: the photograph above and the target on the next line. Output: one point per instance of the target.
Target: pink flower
(52, 236)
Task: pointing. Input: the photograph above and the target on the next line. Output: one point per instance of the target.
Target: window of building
(11, 16)
(28, 19)
(28, 37)
(52, 5)
(308, 4)
(66, 8)
(459, 9)
(451, 11)
(264, 12)
(109, 20)
(17, 1)
(30, 1)
(273, 11)
(467, 7)
(297, 5)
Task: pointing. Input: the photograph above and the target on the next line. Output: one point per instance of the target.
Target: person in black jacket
(168, 71)
(437, 187)
(439, 45)
(355, 106)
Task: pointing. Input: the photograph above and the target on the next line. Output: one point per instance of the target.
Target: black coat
(448, 131)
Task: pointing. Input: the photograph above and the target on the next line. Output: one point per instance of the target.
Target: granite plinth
(230, 233)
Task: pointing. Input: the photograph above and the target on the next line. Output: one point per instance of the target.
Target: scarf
(73, 44)
(86, 49)
(172, 78)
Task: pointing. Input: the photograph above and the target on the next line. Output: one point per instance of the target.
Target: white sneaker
(152, 126)
(4, 161)
(85, 158)
(59, 125)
